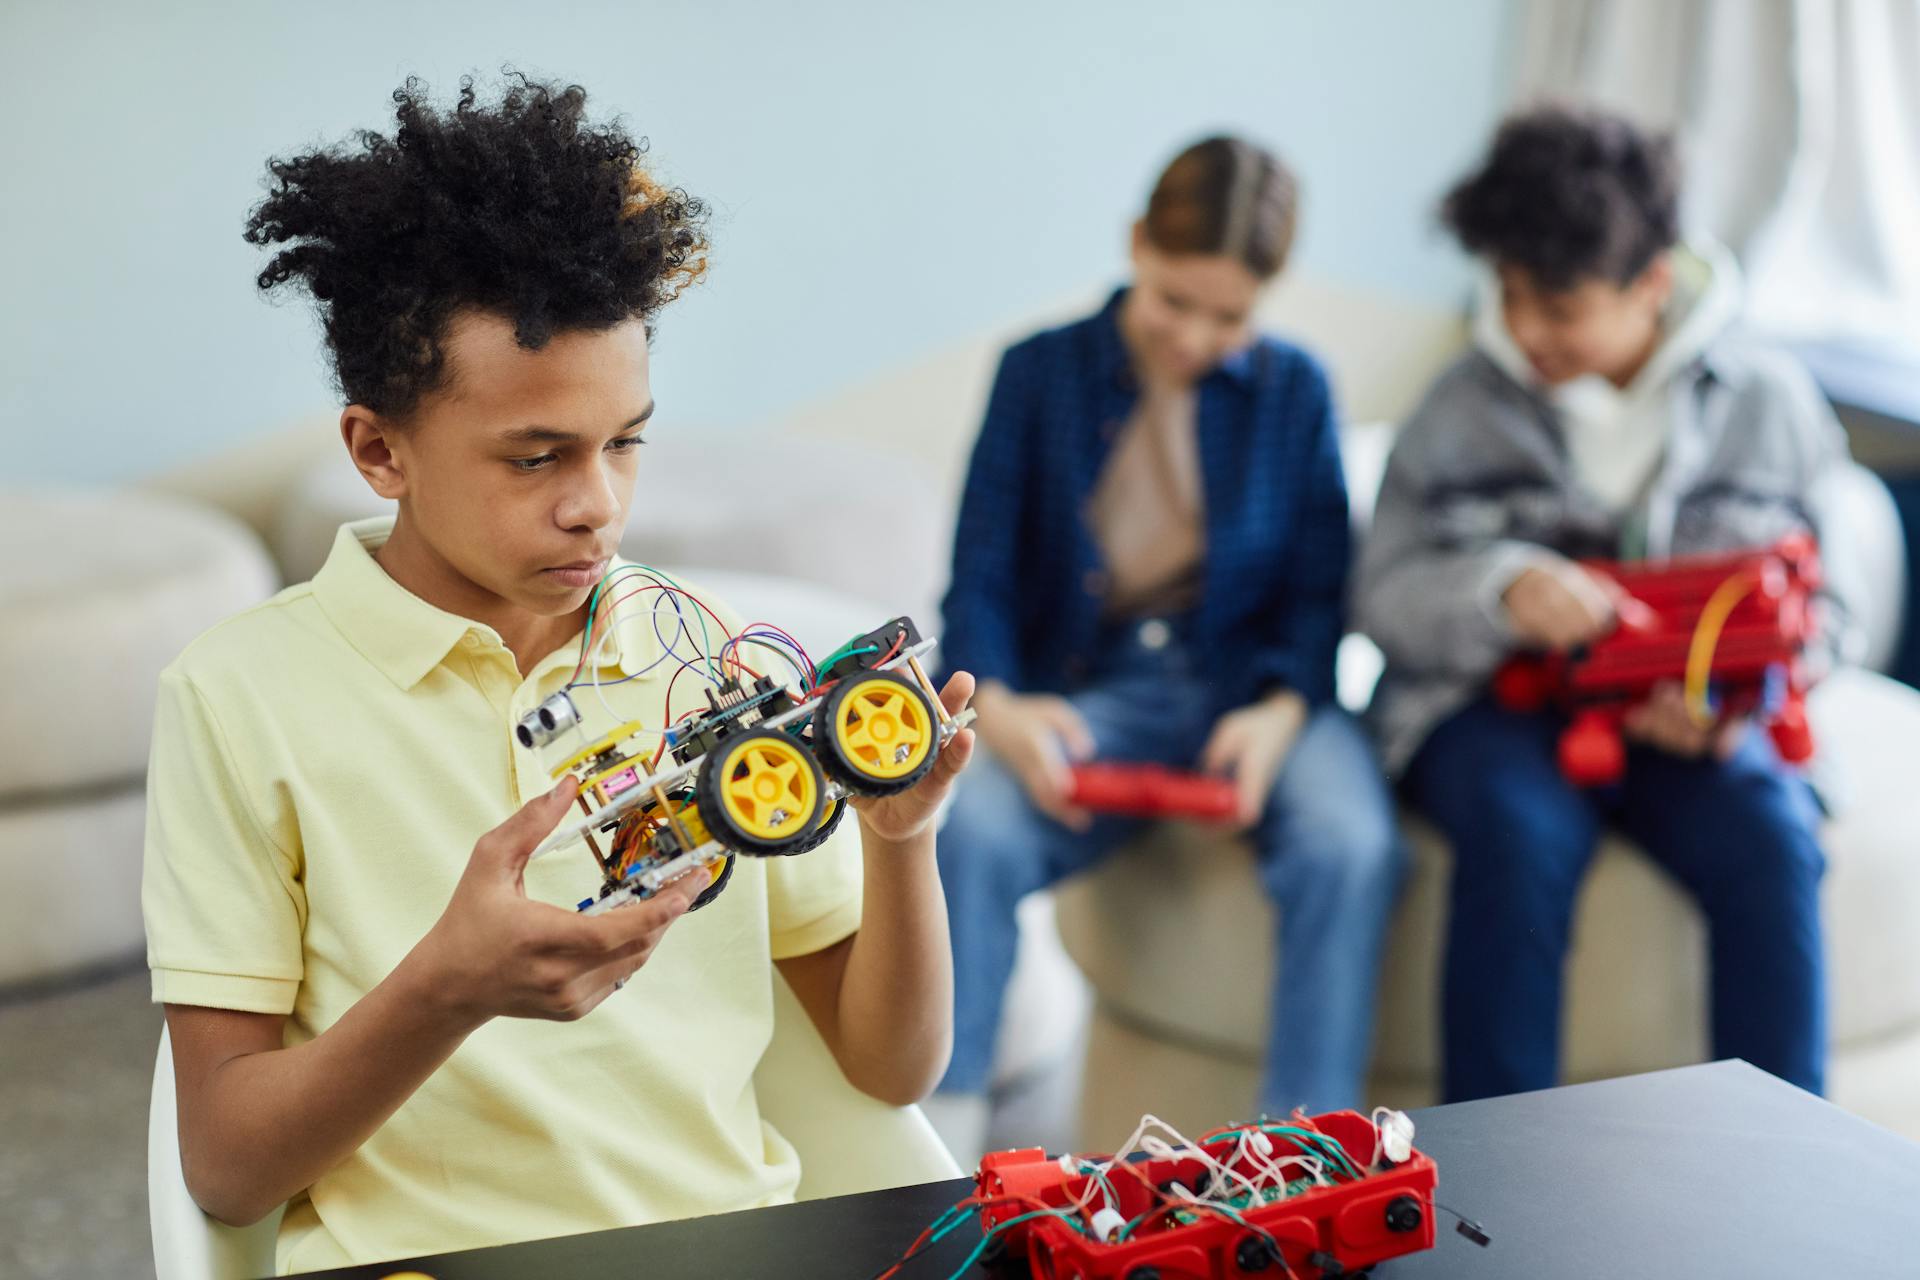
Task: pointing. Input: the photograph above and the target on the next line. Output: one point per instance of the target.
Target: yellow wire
(1706, 638)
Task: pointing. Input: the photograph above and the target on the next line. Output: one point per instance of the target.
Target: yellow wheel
(876, 733)
(761, 793)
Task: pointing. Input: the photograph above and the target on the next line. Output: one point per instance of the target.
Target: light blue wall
(886, 176)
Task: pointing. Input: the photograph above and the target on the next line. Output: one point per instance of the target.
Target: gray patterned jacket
(1479, 481)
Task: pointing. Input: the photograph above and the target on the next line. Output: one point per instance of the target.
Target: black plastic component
(1405, 1214)
(1144, 1273)
(732, 708)
(881, 639)
(1002, 1264)
(1327, 1263)
(1474, 1232)
(848, 771)
(708, 797)
(1253, 1254)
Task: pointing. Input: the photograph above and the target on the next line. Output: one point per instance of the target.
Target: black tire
(999, 1262)
(836, 811)
(713, 890)
(849, 770)
(717, 772)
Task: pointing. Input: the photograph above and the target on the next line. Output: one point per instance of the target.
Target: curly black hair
(1568, 194)
(521, 208)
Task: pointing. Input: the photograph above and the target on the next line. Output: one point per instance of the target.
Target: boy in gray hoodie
(1607, 412)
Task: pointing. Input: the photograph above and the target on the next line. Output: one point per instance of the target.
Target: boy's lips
(581, 573)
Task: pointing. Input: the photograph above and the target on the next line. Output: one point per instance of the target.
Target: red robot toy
(1731, 628)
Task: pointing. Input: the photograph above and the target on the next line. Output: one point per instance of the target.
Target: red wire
(594, 619)
(976, 1202)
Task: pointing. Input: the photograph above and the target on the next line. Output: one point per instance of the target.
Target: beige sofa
(1637, 974)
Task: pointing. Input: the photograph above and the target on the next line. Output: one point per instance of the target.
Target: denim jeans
(1329, 857)
(1741, 837)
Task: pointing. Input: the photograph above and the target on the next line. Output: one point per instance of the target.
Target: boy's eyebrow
(536, 434)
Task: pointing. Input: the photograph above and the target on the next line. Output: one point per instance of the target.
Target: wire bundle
(1255, 1172)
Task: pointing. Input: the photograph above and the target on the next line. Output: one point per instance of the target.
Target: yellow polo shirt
(322, 765)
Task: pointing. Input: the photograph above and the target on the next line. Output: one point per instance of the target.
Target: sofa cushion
(1637, 973)
(105, 590)
(852, 519)
(70, 883)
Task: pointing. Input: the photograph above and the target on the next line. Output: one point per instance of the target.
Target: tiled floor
(75, 1066)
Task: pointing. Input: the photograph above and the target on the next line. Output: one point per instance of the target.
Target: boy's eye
(625, 444)
(530, 464)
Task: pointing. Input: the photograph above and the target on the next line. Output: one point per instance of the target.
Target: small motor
(547, 721)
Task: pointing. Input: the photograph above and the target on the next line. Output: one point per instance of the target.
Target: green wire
(1319, 1143)
(846, 650)
(700, 614)
(987, 1239)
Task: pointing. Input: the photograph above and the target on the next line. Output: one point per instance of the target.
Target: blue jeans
(1329, 857)
(1740, 836)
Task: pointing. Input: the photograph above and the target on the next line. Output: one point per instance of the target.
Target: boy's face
(1596, 326)
(1187, 311)
(519, 473)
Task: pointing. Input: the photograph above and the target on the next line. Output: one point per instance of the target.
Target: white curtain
(1799, 125)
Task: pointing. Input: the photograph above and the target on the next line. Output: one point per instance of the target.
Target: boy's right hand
(1558, 605)
(497, 953)
(1037, 737)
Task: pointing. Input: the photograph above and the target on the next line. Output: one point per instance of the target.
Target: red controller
(1734, 625)
(1153, 791)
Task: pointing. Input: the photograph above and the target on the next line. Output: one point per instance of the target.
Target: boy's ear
(1656, 282)
(1137, 240)
(368, 438)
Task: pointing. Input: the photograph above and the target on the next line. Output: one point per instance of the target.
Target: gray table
(1705, 1172)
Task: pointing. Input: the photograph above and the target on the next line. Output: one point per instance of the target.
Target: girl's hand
(906, 815)
(1037, 736)
(1250, 746)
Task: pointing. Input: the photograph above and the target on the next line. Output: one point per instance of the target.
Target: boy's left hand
(1251, 744)
(1663, 721)
(904, 816)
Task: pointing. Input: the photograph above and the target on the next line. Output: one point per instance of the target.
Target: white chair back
(847, 1142)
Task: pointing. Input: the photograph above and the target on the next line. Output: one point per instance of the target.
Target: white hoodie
(1615, 436)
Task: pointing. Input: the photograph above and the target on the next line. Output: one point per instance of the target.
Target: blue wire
(672, 650)
(769, 640)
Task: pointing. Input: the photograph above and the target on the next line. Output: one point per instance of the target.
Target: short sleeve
(222, 896)
(813, 900)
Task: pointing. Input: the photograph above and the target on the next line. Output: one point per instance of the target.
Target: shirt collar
(1117, 365)
(406, 638)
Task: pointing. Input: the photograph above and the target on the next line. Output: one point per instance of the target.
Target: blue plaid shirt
(1026, 601)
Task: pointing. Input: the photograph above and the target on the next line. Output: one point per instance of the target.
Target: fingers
(957, 692)
(508, 846)
(1561, 606)
(1225, 745)
(1663, 721)
(1075, 737)
(954, 757)
(1049, 783)
(636, 928)
(1252, 783)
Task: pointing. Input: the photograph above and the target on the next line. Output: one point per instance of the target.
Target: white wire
(680, 618)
